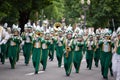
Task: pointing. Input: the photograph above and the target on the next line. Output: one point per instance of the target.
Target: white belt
(106, 48)
(77, 48)
(37, 45)
(51, 41)
(12, 43)
(59, 44)
(28, 40)
(44, 46)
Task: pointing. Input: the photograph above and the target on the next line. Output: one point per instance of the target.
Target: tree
(23, 9)
(55, 11)
(103, 11)
(72, 11)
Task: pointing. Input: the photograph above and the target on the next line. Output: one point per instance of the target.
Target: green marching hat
(107, 32)
(42, 29)
(77, 30)
(91, 34)
(29, 26)
(47, 33)
(16, 28)
(79, 36)
(59, 30)
(118, 31)
(69, 30)
(37, 29)
(51, 30)
(98, 33)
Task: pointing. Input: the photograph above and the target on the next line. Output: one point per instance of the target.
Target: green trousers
(105, 63)
(44, 58)
(27, 50)
(89, 58)
(68, 63)
(12, 54)
(13, 62)
(97, 57)
(51, 52)
(77, 60)
(59, 55)
(36, 57)
(18, 51)
(3, 53)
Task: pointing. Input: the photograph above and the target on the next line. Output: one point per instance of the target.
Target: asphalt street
(23, 72)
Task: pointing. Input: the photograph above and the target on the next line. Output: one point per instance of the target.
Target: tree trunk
(23, 19)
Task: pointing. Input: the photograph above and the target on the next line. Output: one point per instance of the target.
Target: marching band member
(45, 49)
(78, 51)
(36, 52)
(41, 32)
(59, 47)
(52, 45)
(14, 42)
(27, 45)
(68, 52)
(97, 49)
(76, 31)
(116, 57)
(106, 54)
(4, 36)
(90, 45)
(18, 46)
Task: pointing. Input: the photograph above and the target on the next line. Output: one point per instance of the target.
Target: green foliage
(100, 13)
(72, 11)
(103, 11)
(55, 11)
(10, 11)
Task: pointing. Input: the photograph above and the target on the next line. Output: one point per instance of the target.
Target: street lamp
(85, 7)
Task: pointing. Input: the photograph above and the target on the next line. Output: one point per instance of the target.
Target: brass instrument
(57, 25)
(96, 44)
(68, 49)
(37, 33)
(108, 37)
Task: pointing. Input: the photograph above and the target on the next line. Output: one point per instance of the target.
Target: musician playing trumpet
(27, 43)
(90, 45)
(59, 47)
(14, 44)
(36, 53)
(78, 51)
(52, 45)
(97, 49)
(116, 57)
(106, 54)
(45, 49)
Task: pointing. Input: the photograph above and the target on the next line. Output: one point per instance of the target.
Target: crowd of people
(100, 45)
